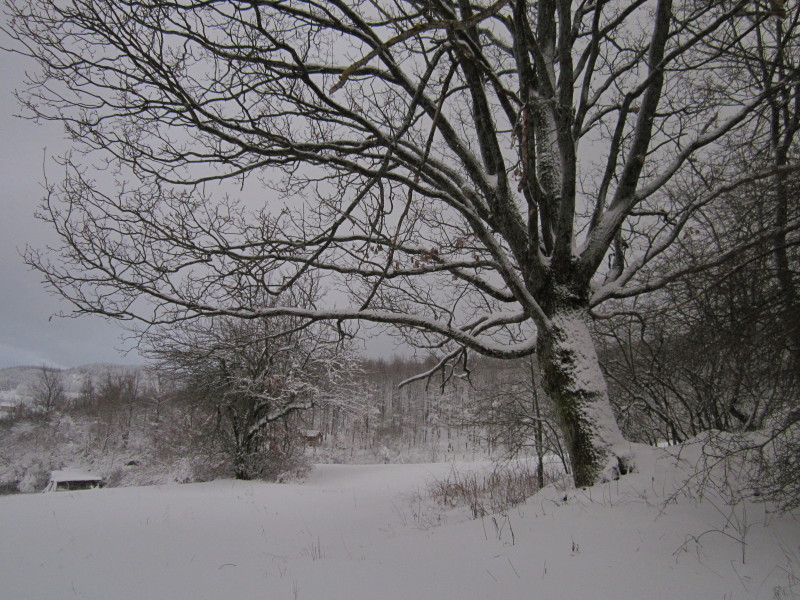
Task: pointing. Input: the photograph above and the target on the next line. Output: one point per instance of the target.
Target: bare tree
(48, 389)
(777, 52)
(719, 349)
(88, 392)
(480, 176)
(713, 357)
(511, 406)
(256, 375)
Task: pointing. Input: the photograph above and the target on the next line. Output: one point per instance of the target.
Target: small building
(312, 437)
(68, 481)
(7, 410)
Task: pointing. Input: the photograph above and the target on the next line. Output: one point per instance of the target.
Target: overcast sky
(28, 335)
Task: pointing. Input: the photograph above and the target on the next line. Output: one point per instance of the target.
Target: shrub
(505, 487)
(778, 478)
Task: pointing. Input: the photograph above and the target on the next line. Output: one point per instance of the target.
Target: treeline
(713, 354)
(149, 426)
(107, 421)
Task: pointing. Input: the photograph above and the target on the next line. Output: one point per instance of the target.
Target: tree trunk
(783, 266)
(577, 386)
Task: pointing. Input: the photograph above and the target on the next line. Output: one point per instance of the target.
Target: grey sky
(27, 333)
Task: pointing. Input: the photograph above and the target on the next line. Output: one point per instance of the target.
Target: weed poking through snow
(506, 486)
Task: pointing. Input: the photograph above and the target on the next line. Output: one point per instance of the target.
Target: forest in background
(139, 426)
(713, 362)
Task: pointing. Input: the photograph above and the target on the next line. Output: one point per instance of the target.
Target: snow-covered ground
(367, 533)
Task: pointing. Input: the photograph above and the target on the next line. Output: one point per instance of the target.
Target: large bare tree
(480, 175)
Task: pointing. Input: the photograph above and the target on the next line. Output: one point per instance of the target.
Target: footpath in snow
(367, 533)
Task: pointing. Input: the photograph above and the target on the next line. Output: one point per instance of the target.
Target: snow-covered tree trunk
(577, 387)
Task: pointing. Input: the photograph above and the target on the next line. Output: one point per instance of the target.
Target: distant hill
(17, 383)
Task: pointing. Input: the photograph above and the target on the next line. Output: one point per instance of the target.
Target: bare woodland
(486, 178)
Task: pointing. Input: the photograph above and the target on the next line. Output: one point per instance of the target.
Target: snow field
(367, 533)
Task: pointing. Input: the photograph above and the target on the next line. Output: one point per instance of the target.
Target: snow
(572, 339)
(367, 532)
(73, 475)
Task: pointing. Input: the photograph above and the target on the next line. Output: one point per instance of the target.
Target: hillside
(18, 384)
(135, 426)
(369, 532)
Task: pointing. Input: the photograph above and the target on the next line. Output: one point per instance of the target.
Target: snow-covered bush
(34, 478)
